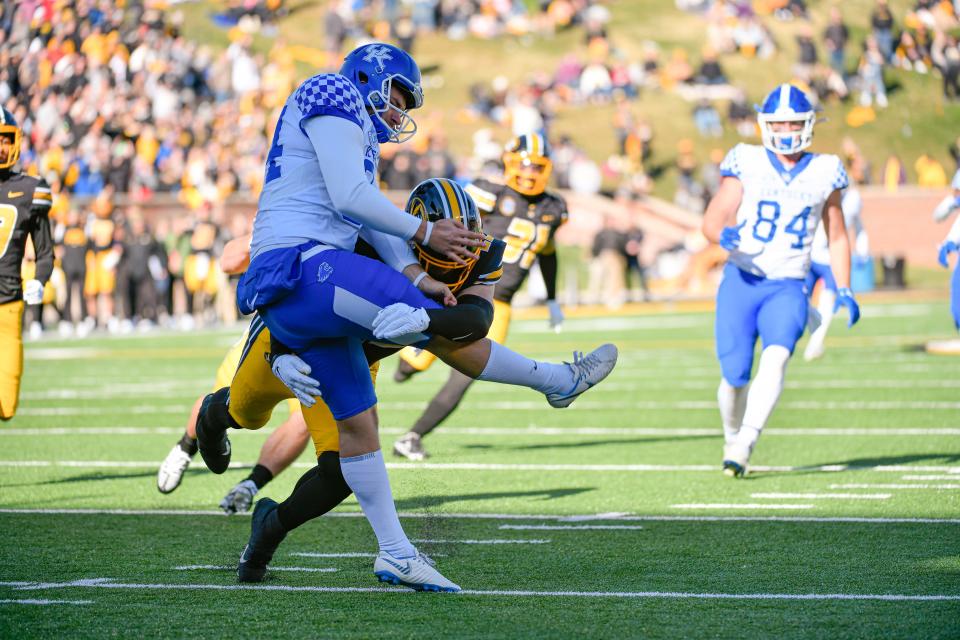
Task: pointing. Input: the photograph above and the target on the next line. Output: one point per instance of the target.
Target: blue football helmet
(786, 103)
(373, 69)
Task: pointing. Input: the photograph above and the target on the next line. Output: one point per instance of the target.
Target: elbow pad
(469, 321)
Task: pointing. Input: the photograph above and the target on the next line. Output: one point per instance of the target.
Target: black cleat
(266, 534)
(212, 440)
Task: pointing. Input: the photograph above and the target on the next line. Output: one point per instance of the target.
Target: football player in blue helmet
(375, 69)
(770, 201)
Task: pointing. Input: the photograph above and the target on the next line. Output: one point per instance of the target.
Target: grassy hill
(916, 121)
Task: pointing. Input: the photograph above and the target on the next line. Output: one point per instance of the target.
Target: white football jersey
(294, 205)
(852, 205)
(780, 209)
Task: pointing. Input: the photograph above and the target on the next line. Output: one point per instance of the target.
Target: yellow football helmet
(527, 164)
(434, 200)
(10, 130)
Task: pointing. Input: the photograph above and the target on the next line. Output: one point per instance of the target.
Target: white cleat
(735, 459)
(419, 573)
(409, 446)
(239, 499)
(588, 371)
(172, 469)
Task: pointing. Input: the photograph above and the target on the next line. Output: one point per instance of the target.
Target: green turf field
(609, 519)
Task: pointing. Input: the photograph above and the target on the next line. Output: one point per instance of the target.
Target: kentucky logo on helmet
(781, 108)
(439, 199)
(375, 69)
(378, 55)
(10, 130)
(527, 164)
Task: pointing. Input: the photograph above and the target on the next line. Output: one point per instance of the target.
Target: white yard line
(45, 602)
(539, 406)
(571, 527)
(828, 496)
(216, 567)
(107, 583)
(492, 466)
(948, 476)
(506, 516)
(894, 486)
(526, 431)
(746, 505)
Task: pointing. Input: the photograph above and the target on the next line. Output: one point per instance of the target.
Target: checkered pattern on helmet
(330, 94)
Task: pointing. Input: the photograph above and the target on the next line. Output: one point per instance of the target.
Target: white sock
(764, 392)
(509, 367)
(367, 476)
(825, 307)
(733, 402)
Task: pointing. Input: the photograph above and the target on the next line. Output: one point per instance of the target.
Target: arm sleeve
(42, 243)
(468, 321)
(394, 251)
(548, 268)
(339, 145)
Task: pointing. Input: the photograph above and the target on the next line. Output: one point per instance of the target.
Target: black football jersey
(527, 224)
(24, 204)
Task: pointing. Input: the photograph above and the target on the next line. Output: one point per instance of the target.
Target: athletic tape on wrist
(426, 235)
(419, 279)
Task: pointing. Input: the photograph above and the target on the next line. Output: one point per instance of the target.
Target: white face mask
(381, 105)
(786, 142)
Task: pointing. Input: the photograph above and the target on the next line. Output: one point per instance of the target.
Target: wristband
(419, 279)
(426, 234)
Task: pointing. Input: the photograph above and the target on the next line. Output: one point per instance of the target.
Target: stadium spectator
(835, 38)
(930, 173)
(710, 71)
(707, 119)
(872, 87)
(882, 24)
(946, 58)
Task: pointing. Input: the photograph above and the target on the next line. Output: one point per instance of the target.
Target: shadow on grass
(429, 502)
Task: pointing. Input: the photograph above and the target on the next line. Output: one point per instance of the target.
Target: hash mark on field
(107, 583)
(509, 541)
(311, 554)
(746, 505)
(894, 486)
(569, 527)
(45, 602)
(828, 496)
(217, 567)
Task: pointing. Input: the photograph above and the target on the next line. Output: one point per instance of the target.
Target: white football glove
(33, 292)
(294, 373)
(240, 498)
(556, 315)
(399, 319)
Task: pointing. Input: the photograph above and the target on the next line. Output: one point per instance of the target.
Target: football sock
(260, 476)
(825, 307)
(366, 475)
(443, 403)
(318, 491)
(764, 393)
(188, 445)
(732, 401)
(509, 367)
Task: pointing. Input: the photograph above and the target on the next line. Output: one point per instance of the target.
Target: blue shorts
(325, 314)
(749, 306)
(820, 272)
